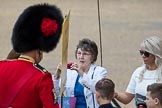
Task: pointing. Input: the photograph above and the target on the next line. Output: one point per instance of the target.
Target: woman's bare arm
(124, 98)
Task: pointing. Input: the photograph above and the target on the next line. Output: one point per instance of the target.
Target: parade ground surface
(124, 24)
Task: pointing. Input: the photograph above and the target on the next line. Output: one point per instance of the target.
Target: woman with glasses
(150, 72)
(83, 75)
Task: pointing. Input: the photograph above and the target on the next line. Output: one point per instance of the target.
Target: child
(105, 92)
(154, 96)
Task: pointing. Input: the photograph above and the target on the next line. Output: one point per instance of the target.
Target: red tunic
(35, 93)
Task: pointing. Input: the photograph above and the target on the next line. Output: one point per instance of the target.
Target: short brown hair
(155, 91)
(106, 88)
(90, 46)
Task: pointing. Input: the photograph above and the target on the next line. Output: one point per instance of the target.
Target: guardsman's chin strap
(26, 58)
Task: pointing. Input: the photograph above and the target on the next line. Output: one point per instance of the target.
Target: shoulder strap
(93, 72)
(16, 88)
(92, 92)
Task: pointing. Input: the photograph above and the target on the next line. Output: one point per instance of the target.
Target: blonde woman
(150, 72)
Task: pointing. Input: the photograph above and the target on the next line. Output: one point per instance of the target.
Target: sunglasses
(145, 53)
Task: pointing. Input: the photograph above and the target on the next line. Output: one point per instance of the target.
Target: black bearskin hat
(38, 27)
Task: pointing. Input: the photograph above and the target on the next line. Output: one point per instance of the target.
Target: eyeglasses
(84, 54)
(146, 54)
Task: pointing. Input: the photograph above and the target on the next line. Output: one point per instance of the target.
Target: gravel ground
(124, 24)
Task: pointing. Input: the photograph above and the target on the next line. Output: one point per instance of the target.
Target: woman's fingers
(59, 66)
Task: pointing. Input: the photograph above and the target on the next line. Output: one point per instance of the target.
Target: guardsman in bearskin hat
(23, 82)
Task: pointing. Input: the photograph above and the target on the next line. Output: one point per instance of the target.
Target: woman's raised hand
(58, 71)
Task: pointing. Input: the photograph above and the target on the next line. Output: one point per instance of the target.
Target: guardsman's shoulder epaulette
(40, 68)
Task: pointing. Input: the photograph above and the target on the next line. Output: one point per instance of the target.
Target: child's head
(105, 89)
(154, 95)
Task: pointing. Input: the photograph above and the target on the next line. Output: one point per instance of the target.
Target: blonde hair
(153, 45)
